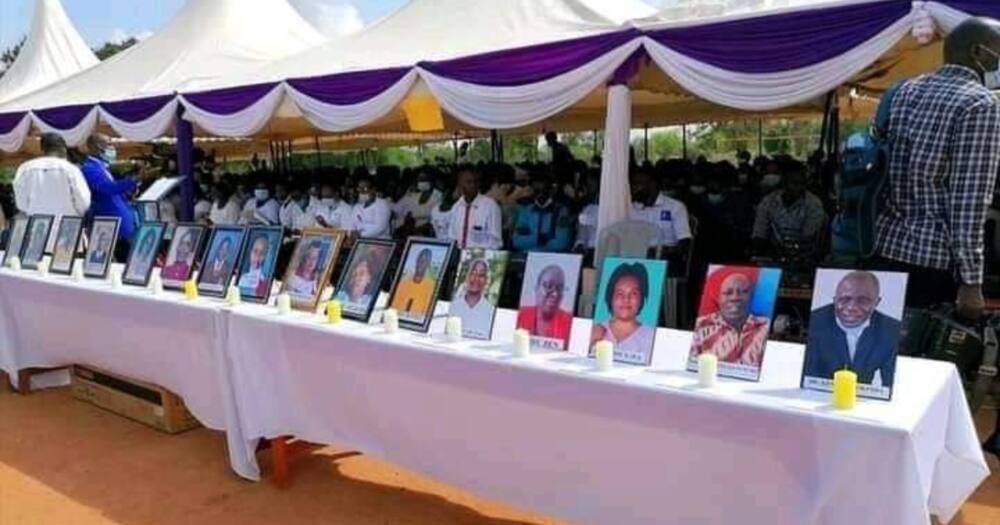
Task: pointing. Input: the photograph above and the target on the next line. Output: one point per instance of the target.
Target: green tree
(9, 55)
(110, 49)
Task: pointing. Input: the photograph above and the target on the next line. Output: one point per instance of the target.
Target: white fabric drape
(244, 123)
(334, 118)
(770, 91)
(947, 18)
(512, 107)
(12, 141)
(76, 136)
(616, 197)
(152, 128)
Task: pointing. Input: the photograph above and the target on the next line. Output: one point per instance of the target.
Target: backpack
(861, 184)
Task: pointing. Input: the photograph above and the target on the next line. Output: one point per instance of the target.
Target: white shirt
(336, 213)
(373, 221)
(477, 321)
(669, 215)
(168, 213)
(267, 213)
(226, 215)
(421, 213)
(586, 233)
(292, 215)
(853, 335)
(485, 224)
(51, 186)
(441, 221)
(202, 209)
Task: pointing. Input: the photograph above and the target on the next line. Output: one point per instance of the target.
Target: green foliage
(9, 55)
(6, 176)
(110, 49)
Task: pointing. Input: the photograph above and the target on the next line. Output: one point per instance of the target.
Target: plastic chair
(626, 239)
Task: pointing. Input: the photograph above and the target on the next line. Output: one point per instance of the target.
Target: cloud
(119, 35)
(331, 17)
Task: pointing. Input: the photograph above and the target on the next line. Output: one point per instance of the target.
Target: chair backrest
(626, 239)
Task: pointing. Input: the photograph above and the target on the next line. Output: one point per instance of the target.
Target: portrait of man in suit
(852, 334)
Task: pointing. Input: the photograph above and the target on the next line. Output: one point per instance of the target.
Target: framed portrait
(178, 267)
(15, 238)
(39, 228)
(418, 281)
(627, 308)
(67, 241)
(142, 258)
(101, 250)
(548, 299)
(478, 282)
(734, 319)
(255, 272)
(310, 267)
(148, 211)
(856, 325)
(224, 246)
(362, 278)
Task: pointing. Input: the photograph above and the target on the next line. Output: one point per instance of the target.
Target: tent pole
(288, 157)
(454, 144)
(760, 137)
(645, 142)
(319, 155)
(684, 141)
(184, 132)
(494, 142)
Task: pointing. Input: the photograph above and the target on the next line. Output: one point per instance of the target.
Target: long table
(547, 433)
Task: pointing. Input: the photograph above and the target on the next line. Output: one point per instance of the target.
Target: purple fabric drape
(990, 8)
(184, 132)
(64, 118)
(230, 100)
(348, 89)
(9, 121)
(527, 65)
(783, 42)
(137, 110)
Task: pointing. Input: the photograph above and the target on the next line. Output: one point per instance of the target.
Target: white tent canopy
(53, 51)
(206, 40)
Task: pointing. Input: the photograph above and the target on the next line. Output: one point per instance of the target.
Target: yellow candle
(845, 390)
(334, 312)
(605, 354)
(191, 290)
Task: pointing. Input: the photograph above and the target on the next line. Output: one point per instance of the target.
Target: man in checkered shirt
(944, 134)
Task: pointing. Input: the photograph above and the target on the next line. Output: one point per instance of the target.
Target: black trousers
(926, 287)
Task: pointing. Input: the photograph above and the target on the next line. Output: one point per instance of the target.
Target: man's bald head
(857, 296)
(975, 44)
(97, 143)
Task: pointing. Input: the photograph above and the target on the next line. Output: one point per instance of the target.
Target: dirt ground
(64, 462)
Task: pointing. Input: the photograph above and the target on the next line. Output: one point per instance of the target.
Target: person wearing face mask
(545, 224)
(944, 154)
(332, 211)
(262, 208)
(771, 179)
(667, 214)
(371, 215)
(109, 197)
(414, 209)
(790, 219)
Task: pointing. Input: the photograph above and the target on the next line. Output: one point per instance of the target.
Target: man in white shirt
(293, 212)
(372, 215)
(669, 215)
(414, 210)
(50, 185)
(225, 207)
(471, 304)
(261, 209)
(476, 221)
(330, 211)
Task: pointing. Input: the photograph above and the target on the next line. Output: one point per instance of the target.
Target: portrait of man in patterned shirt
(726, 326)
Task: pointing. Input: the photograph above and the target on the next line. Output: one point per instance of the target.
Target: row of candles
(845, 382)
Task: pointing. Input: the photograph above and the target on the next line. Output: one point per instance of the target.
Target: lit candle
(233, 296)
(191, 290)
(156, 285)
(708, 370)
(453, 329)
(605, 354)
(334, 312)
(522, 343)
(14, 263)
(390, 320)
(284, 304)
(845, 390)
(43, 267)
(78, 271)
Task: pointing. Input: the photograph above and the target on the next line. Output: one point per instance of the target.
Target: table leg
(279, 461)
(5, 384)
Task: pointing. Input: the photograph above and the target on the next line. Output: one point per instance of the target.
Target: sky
(100, 21)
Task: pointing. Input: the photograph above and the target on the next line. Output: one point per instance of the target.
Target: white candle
(453, 329)
(43, 267)
(390, 320)
(708, 370)
(156, 285)
(116, 278)
(78, 270)
(233, 296)
(14, 263)
(522, 343)
(284, 304)
(605, 354)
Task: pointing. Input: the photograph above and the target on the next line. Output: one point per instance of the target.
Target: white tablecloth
(54, 321)
(630, 446)
(546, 433)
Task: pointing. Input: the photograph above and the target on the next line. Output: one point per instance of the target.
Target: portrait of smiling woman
(628, 307)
